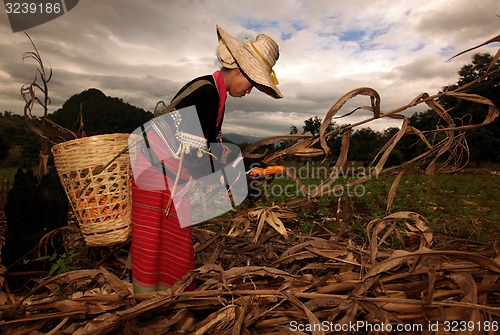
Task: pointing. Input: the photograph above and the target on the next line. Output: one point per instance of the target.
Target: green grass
(463, 205)
(8, 173)
(460, 205)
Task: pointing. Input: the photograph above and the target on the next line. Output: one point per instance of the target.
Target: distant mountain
(238, 139)
(101, 114)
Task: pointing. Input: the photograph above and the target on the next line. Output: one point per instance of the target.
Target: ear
(238, 72)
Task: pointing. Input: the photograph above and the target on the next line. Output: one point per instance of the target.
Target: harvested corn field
(274, 284)
(258, 274)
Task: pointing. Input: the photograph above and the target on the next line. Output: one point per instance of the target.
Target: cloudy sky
(144, 51)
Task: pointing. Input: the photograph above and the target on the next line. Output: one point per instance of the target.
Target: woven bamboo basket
(98, 186)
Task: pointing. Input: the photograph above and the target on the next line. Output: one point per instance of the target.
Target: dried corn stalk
(272, 216)
(286, 284)
(453, 145)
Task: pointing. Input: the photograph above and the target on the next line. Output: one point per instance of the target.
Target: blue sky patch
(298, 26)
(446, 51)
(286, 35)
(259, 25)
(352, 35)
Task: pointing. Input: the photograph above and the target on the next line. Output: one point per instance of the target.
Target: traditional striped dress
(161, 251)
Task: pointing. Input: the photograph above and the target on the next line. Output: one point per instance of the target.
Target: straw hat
(255, 58)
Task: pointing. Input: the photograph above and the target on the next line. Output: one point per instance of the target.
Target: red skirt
(161, 250)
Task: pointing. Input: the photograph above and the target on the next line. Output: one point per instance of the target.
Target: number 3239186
(33, 8)
(454, 326)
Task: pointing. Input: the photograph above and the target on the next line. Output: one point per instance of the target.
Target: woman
(162, 251)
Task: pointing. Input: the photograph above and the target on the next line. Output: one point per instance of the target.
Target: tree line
(101, 114)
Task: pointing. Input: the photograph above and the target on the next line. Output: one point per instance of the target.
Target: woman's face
(240, 85)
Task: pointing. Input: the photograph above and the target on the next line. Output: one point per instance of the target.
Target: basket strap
(152, 157)
(190, 89)
(173, 192)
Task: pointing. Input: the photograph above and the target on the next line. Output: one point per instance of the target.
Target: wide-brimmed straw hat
(255, 58)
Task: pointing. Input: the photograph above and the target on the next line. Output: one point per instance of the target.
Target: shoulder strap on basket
(151, 155)
(190, 89)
